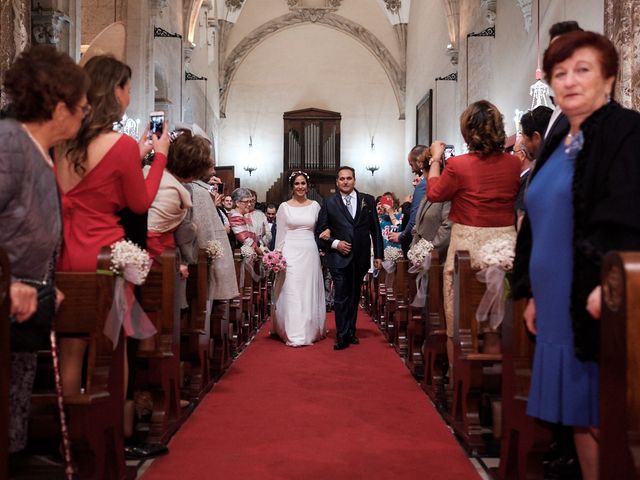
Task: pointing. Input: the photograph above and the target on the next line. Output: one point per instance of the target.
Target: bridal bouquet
(419, 252)
(274, 261)
(392, 254)
(130, 261)
(494, 259)
(214, 249)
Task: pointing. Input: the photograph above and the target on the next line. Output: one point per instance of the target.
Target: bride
(298, 311)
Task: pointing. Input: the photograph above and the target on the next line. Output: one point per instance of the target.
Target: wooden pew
(620, 367)
(236, 309)
(5, 363)
(94, 416)
(469, 360)
(524, 439)
(159, 367)
(400, 317)
(195, 331)
(435, 339)
(220, 327)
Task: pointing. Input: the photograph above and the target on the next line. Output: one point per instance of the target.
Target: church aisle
(313, 413)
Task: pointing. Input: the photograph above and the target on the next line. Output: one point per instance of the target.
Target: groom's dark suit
(348, 271)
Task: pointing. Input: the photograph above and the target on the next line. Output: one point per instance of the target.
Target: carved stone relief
(622, 27)
(234, 4)
(490, 7)
(452, 10)
(295, 4)
(525, 6)
(15, 26)
(395, 72)
(47, 25)
(393, 5)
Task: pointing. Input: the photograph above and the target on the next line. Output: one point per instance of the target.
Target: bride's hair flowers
(214, 249)
(130, 261)
(419, 251)
(274, 261)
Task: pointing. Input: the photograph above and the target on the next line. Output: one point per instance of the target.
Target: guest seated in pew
(240, 222)
(581, 203)
(100, 173)
(47, 92)
(482, 187)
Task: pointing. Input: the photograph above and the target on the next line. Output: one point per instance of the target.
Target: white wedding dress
(298, 309)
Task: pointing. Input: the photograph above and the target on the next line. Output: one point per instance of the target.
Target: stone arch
(392, 68)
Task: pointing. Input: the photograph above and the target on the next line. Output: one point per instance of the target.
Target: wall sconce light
(373, 166)
(250, 165)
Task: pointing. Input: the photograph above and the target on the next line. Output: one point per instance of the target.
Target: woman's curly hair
(482, 127)
(40, 78)
(189, 155)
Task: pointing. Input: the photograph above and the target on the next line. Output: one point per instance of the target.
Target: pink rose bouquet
(274, 261)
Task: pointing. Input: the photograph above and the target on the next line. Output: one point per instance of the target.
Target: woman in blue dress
(581, 203)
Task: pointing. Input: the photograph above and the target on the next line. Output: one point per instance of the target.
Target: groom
(352, 219)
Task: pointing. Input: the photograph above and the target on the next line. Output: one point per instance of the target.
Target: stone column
(621, 25)
(15, 32)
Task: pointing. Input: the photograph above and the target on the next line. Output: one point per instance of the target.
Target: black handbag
(33, 334)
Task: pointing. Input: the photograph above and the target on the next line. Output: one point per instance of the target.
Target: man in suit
(353, 223)
(271, 212)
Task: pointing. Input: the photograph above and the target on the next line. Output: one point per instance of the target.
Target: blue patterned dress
(563, 389)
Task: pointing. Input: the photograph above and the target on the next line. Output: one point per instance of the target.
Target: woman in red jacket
(482, 187)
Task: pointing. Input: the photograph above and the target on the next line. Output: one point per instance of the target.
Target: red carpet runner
(312, 413)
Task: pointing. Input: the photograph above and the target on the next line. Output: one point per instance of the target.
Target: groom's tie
(347, 202)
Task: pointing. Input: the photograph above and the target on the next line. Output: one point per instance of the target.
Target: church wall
(312, 66)
(500, 70)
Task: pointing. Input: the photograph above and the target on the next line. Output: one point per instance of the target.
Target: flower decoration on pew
(392, 254)
(498, 252)
(420, 257)
(248, 252)
(418, 252)
(494, 259)
(130, 261)
(274, 261)
(214, 249)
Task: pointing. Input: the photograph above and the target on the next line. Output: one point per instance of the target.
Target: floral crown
(296, 173)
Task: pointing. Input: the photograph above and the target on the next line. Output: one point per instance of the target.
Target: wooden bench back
(198, 292)
(468, 292)
(88, 299)
(435, 303)
(158, 296)
(620, 367)
(5, 362)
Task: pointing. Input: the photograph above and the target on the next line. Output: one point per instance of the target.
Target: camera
(156, 123)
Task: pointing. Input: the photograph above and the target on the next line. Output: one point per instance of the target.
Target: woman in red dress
(100, 173)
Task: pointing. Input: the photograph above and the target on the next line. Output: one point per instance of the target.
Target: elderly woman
(239, 219)
(581, 202)
(482, 187)
(48, 98)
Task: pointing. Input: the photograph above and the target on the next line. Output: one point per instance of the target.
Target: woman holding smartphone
(99, 174)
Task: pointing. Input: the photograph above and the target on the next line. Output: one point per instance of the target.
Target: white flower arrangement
(248, 252)
(498, 252)
(214, 249)
(392, 254)
(419, 252)
(130, 261)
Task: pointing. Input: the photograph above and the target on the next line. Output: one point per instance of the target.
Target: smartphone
(156, 123)
(448, 153)
(384, 200)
